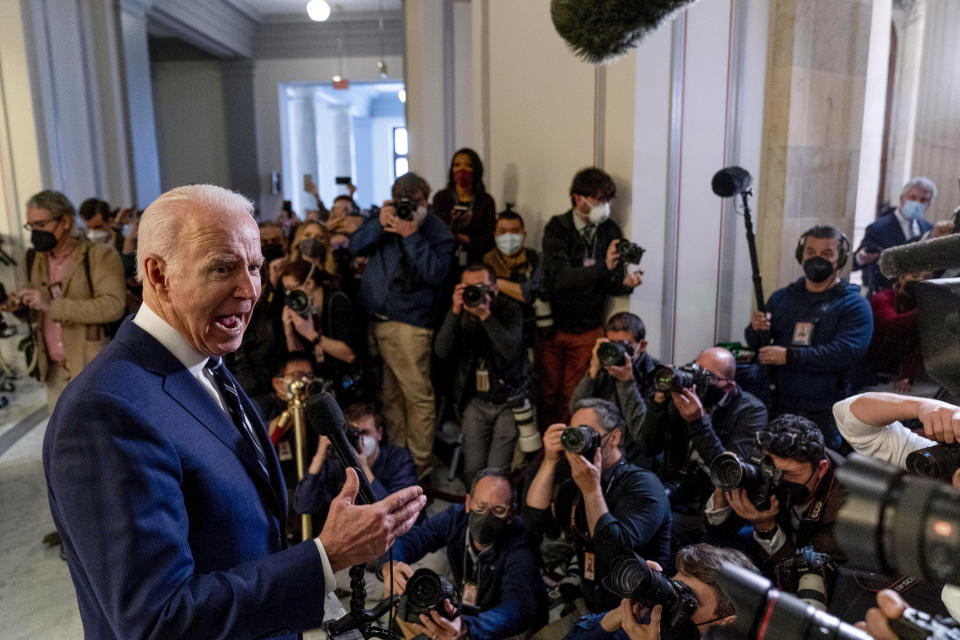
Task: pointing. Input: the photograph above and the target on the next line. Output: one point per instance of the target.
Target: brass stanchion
(297, 393)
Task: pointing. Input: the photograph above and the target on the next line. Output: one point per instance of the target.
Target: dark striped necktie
(231, 397)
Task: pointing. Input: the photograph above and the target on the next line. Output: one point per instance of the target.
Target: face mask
(271, 252)
(43, 240)
(795, 492)
(369, 445)
(599, 213)
(817, 269)
(509, 243)
(312, 248)
(463, 177)
(484, 529)
(97, 235)
(913, 210)
(421, 213)
(712, 396)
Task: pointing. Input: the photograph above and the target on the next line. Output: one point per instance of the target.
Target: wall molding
(216, 26)
(276, 39)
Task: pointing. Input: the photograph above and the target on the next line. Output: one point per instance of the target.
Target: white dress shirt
(195, 362)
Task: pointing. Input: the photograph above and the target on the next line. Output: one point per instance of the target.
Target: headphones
(844, 248)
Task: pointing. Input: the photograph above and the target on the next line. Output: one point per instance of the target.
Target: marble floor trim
(10, 437)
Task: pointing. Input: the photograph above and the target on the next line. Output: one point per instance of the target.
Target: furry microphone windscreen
(599, 31)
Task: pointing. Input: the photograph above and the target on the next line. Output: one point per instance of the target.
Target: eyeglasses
(32, 226)
(480, 507)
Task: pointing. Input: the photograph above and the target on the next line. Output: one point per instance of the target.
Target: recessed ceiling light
(318, 10)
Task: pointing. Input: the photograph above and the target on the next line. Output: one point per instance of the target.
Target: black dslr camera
(299, 302)
(630, 577)
(938, 462)
(614, 353)
(629, 252)
(405, 208)
(674, 379)
(580, 439)
(475, 294)
(759, 477)
(425, 592)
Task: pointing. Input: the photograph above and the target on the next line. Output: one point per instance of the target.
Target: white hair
(162, 222)
(924, 183)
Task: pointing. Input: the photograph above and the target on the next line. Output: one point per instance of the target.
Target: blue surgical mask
(913, 210)
(509, 243)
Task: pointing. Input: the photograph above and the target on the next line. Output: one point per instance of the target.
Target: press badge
(284, 452)
(589, 566)
(802, 334)
(55, 290)
(470, 594)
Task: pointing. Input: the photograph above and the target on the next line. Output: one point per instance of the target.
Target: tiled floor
(37, 600)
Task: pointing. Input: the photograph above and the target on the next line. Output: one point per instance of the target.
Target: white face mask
(421, 213)
(97, 235)
(369, 445)
(599, 213)
(913, 210)
(509, 243)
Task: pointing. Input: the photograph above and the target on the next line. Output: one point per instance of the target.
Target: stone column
(240, 119)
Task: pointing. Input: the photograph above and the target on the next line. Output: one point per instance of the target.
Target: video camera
(581, 439)
(667, 379)
(629, 252)
(614, 353)
(425, 592)
(630, 577)
(759, 477)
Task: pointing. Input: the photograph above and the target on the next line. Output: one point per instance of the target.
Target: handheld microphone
(326, 418)
(731, 181)
(929, 255)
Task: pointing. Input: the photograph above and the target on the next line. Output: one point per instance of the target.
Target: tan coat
(80, 310)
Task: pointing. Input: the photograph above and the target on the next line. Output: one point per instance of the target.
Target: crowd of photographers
(592, 471)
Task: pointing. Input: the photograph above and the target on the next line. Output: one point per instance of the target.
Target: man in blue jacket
(409, 253)
(496, 573)
(815, 332)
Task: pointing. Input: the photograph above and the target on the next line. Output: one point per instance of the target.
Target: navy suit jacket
(883, 233)
(170, 527)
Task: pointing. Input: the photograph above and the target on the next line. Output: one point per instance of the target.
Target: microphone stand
(754, 262)
(297, 392)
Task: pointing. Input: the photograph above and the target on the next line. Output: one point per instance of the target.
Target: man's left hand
(688, 404)
(35, 299)
(436, 627)
(622, 372)
(482, 310)
(633, 279)
(402, 228)
(773, 355)
(584, 472)
(636, 630)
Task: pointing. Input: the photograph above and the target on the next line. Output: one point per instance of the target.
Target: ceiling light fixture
(318, 10)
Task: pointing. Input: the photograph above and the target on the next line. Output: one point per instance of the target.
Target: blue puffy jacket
(819, 374)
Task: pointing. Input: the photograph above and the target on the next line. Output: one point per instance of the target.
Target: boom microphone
(326, 418)
(929, 255)
(730, 181)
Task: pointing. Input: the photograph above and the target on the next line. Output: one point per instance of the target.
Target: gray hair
(924, 183)
(409, 184)
(53, 201)
(608, 416)
(162, 222)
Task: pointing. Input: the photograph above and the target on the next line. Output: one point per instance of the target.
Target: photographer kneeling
(697, 424)
(483, 333)
(621, 372)
(493, 567)
(698, 566)
(607, 508)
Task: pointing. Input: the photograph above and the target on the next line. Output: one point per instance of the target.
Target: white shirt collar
(171, 339)
(905, 225)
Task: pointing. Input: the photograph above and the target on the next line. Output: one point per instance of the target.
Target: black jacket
(578, 294)
(496, 343)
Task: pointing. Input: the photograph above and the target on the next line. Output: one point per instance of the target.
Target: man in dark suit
(904, 224)
(161, 478)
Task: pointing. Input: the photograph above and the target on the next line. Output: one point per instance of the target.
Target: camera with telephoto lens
(668, 379)
(299, 302)
(405, 208)
(807, 574)
(614, 353)
(475, 294)
(758, 476)
(939, 462)
(529, 436)
(896, 523)
(630, 577)
(629, 252)
(765, 613)
(425, 592)
(580, 439)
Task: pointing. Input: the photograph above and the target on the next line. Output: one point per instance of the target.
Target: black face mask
(43, 240)
(484, 528)
(794, 492)
(817, 269)
(313, 248)
(712, 395)
(271, 252)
